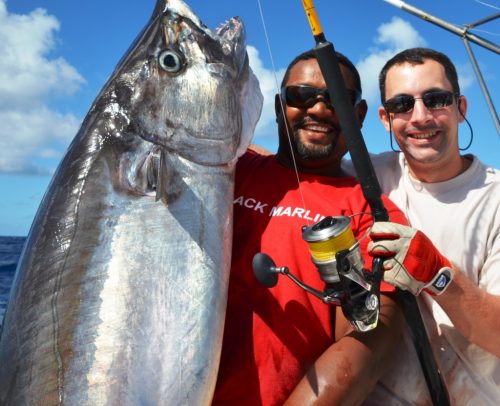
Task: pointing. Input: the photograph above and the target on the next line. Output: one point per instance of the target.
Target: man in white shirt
(455, 200)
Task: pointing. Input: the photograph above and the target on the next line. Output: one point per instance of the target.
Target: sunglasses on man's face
(436, 99)
(303, 97)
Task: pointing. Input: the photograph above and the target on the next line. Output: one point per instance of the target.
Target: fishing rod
(328, 62)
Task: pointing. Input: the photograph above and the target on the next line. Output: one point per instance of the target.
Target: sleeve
(244, 167)
(489, 277)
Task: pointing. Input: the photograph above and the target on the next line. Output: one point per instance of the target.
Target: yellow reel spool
(326, 238)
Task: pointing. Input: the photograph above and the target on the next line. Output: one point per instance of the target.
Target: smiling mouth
(317, 134)
(423, 136)
(317, 128)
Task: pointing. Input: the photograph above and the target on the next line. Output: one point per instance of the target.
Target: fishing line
(496, 34)
(268, 43)
(487, 4)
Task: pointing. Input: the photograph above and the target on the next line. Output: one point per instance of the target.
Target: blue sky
(56, 56)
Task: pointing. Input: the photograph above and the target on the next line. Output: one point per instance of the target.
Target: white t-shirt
(462, 218)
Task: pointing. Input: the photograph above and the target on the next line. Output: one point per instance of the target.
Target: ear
(383, 115)
(361, 110)
(462, 108)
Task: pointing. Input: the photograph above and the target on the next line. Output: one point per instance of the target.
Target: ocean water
(10, 250)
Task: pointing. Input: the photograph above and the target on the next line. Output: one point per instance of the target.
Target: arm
(473, 312)
(349, 369)
(413, 265)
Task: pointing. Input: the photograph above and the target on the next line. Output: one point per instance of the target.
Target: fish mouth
(229, 28)
(226, 45)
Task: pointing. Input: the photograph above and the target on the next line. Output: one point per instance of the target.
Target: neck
(327, 167)
(437, 171)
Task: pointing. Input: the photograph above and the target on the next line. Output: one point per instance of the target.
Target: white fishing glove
(412, 262)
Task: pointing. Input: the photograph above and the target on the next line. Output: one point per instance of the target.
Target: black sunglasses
(435, 99)
(303, 97)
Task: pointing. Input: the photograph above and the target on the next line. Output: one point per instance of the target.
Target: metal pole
(461, 32)
(483, 21)
(482, 84)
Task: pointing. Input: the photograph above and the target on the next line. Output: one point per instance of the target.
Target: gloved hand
(413, 263)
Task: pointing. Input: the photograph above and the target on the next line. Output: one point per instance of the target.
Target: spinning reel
(337, 256)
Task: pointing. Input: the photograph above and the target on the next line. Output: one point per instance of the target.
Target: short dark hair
(418, 56)
(311, 54)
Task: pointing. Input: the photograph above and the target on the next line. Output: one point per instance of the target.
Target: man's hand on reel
(412, 262)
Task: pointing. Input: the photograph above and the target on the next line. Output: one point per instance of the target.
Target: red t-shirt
(272, 336)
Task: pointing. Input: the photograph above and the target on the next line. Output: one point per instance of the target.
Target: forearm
(348, 371)
(473, 312)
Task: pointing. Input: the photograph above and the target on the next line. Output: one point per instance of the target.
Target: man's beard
(312, 152)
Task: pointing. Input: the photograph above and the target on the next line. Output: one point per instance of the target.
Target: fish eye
(171, 61)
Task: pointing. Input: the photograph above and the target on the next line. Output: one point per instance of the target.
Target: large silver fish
(120, 294)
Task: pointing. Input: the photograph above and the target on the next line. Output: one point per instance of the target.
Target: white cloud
(28, 79)
(398, 34)
(269, 85)
(39, 133)
(466, 76)
(392, 37)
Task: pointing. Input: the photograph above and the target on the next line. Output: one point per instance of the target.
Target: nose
(420, 112)
(321, 107)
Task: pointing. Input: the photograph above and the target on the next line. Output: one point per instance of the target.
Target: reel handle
(266, 272)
